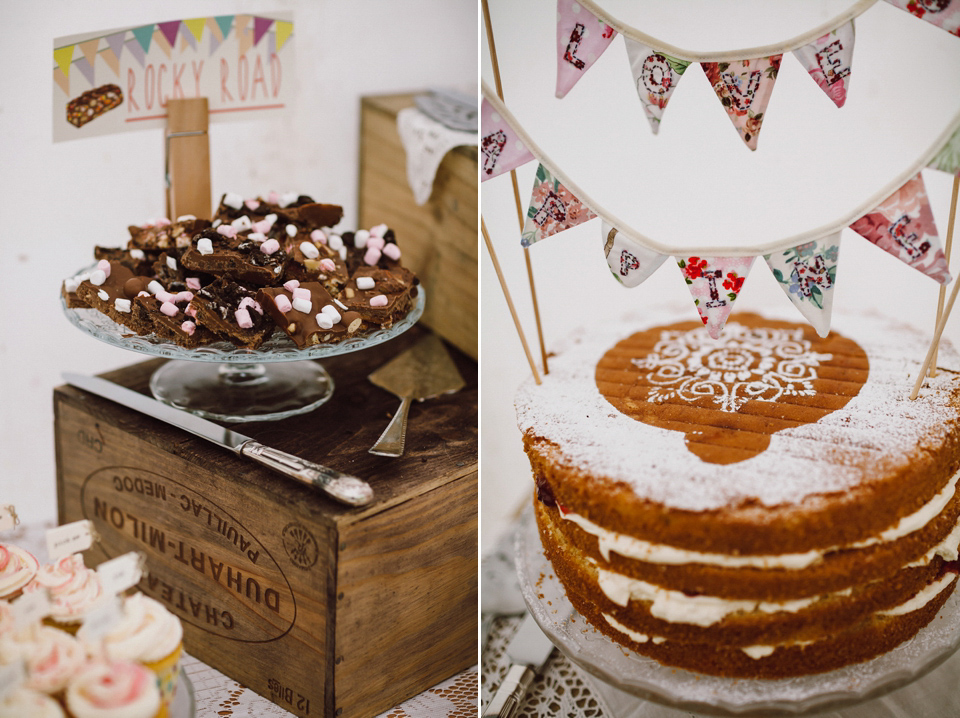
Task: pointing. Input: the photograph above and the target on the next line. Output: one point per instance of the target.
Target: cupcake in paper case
(52, 659)
(17, 569)
(74, 590)
(114, 690)
(23, 702)
(147, 633)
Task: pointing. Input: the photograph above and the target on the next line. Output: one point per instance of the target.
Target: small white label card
(30, 609)
(8, 518)
(12, 676)
(122, 572)
(70, 539)
(101, 620)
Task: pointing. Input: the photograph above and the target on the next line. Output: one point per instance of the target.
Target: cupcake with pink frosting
(23, 702)
(17, 569)
(74, 590)
(114, 690)
(52, 659)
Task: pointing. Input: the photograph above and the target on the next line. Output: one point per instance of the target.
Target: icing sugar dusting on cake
(745, 364)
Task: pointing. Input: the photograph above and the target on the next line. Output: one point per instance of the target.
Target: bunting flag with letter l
(715, 283)
(828, 60)
(553, 208)
(744, 88)
(807, 274)
(655, 75)
(903, 226)
(944, 14)
(581, 39)
(630, 262)
(500, 146)
(948, 158)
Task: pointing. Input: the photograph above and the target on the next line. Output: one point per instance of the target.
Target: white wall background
(696, 184)
(57, 201)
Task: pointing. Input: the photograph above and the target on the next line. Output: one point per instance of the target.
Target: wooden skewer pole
(936, 339)
(516, 190)
(506, 294)
(946, 252)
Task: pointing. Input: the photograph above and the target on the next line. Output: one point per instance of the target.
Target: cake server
(342, 487)
(528, 650)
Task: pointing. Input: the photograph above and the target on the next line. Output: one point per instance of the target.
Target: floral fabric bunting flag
(744, 88)
(655, 76)
(903, 226)
(630, 262)
(715, 284)
(948, 158)
(828, 60)
(581, 39)
(942, 13)
(808, 274)
(552, 209)
(500, 148)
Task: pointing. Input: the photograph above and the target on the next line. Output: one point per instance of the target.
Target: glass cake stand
(223, 382)
(680, 689)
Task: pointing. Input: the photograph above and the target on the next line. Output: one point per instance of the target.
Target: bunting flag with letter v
(655, 76)
(944, 14)
(553, 208)
(903, 226)
(948, 158)
(828, 60)
(744, 88)
(715, 283)
(581, 39)
(807, 274)
(501, 148)
(630, 262)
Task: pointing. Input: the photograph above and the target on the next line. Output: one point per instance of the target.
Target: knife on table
(528, 650)
(342, 487)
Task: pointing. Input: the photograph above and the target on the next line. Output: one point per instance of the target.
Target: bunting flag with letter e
(828, 60)
(581, 39)
(944, 14)
(553, 208)
(715, 284)
(744, 88)
(903, 226)
(500, 146)
(630, 262)
(655, 75)
(807, 274)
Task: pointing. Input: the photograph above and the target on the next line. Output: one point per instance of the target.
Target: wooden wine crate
(324, 609)
(439, 240)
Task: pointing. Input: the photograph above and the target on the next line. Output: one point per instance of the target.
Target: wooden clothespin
(187, 158)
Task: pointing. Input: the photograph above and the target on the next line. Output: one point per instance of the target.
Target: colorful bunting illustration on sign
(903, 226)
(552, 209)
(948, 158)
(500, 148)
(581, 39)
(630, 262)
(744, 89)
(944, 14)
(655, 76)
(828, 60)
(807, 274)
(715, 283)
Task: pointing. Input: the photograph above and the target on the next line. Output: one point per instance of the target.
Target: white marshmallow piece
(185, 218)
(343, 254)
(233, 200)
(97, 277)
(103, 295)
(271, 218)
(379, 230)
(122, 305)
(137, 254)
(154, 287)
(291, 230)
(217, 223)
(340, 304)
(335, 242)
(325, 321)
(360, 238)
(309, 250)
(288, 198)
(71, 284)
(365, 283)
(331, 311)
(257, 236)
(204, 245)
(242, 223)
(303, 305)
(172, 263)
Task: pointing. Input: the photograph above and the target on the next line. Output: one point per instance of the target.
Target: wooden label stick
(946, 252)
(187, 155)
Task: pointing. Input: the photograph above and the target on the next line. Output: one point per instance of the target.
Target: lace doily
(426, 142)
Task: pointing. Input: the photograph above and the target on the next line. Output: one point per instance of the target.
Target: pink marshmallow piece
(251, 204)
(183, 297)
(378, 301)
(263, 226)
(291, 284)
(283, 304)
(162, 222)
(104, 265)
(170, 309)
(273, 198)
(227, 230)
(243, 318)
(318, 236)
(328, 265)
(165, 296)
(376, 242)
(301, 293)
(392, 251)
(188, 328)
(190, 311)
(193, 283)
(270, 246)
(250, 302)
(372, 256)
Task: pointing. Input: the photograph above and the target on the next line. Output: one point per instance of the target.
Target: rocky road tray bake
(260, 266)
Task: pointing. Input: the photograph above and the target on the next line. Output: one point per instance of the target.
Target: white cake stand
(711, 695)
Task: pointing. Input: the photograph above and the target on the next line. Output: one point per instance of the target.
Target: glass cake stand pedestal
(673, 689)
(223, 382)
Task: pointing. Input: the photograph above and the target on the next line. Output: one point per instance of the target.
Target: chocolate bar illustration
(93, 103)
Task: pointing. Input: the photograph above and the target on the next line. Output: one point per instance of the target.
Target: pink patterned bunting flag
(715, 283)
(655, 76)
(630, 262)
(500, 147)
(903, 226)
(808, 274)
(828, 60)
(581, 39)
(744, 88)
(944, 14)
(948, 158)
(552, 209)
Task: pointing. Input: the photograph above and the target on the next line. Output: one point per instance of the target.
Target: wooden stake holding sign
(946, 251)
(187, 158)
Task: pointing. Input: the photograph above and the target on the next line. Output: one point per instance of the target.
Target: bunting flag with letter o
(655, 76)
